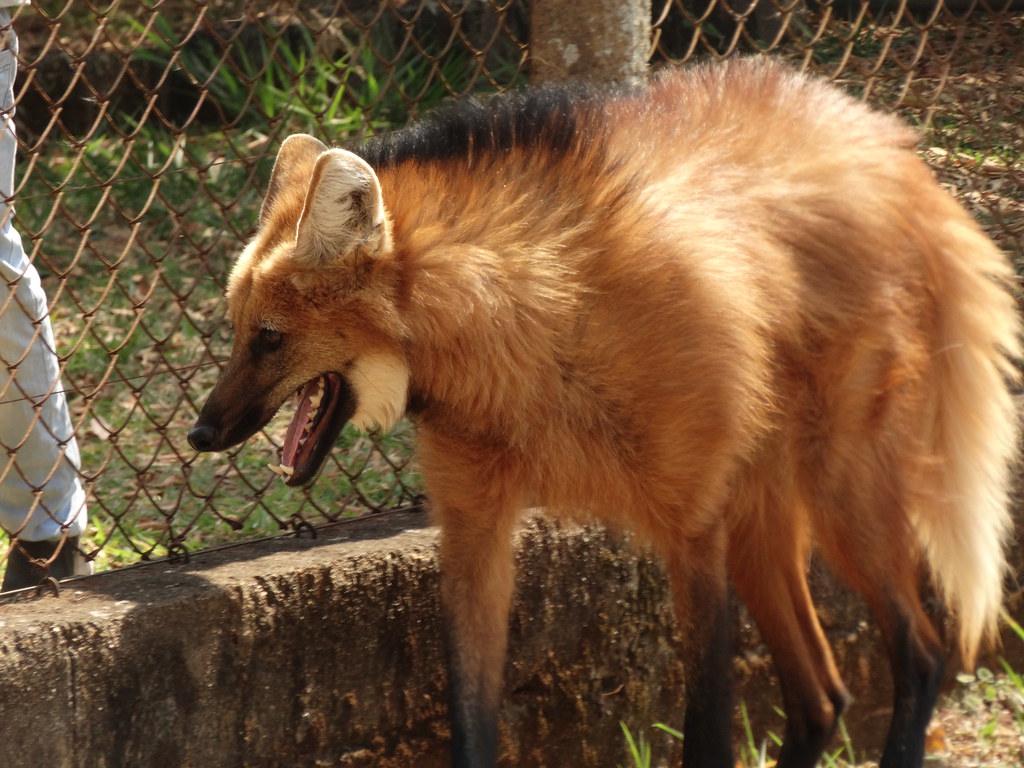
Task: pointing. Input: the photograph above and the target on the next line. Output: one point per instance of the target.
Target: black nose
(202, 437)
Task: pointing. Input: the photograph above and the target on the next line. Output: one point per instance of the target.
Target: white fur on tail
(977, 431)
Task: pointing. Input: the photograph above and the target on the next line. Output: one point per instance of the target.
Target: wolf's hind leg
(768, 567)
(870, 544)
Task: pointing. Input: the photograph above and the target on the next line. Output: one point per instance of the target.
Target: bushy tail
(976, 436)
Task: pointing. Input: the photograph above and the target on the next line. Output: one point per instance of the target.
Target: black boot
(23, 572)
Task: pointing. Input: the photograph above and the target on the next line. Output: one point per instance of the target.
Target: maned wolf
(732, 311)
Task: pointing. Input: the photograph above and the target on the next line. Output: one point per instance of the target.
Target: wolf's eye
(270, 339)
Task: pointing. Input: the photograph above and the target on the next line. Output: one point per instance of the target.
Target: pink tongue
(297, 429)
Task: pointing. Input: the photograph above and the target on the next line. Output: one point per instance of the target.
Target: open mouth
(325, 404)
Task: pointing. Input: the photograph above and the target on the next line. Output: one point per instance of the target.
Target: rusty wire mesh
(147, 129)
(954, 68)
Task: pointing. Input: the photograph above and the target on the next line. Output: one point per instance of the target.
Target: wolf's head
(311, 300)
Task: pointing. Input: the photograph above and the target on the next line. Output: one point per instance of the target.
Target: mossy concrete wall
(301, 652)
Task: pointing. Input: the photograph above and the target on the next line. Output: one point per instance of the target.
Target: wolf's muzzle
(202, 437)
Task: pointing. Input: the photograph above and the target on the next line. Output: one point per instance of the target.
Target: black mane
(546, 117)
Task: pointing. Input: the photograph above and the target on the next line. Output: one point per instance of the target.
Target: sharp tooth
(288, 470)
(281, 469)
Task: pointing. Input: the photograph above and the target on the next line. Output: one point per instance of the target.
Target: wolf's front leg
(476, 589)
(698, 577)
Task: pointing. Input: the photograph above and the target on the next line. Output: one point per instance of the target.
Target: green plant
(283, 81)
(639, 748)
(1016, 683)
(753, 753)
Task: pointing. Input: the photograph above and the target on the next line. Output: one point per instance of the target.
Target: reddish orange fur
(758, 328)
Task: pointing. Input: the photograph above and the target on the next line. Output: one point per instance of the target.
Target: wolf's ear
(343, 211)
(294, 162)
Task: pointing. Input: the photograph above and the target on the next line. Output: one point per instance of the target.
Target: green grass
(752, 752)
(639, 749)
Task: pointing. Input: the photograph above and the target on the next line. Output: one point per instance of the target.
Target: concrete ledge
(326, 652)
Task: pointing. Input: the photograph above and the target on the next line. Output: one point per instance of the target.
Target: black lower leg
(474, 678)
(917, 669)
(474, 731)
(807, 736)
(707, 725)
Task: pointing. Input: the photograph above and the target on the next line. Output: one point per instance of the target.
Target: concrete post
(604, 41)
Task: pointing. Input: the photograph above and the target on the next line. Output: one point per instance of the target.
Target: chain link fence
(146, 133)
